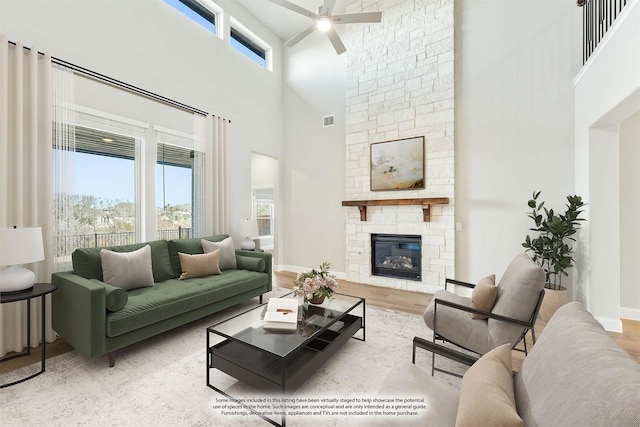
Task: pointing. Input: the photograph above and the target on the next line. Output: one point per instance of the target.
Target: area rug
(162, 381)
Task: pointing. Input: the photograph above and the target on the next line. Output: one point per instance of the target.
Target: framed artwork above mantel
(397, 165)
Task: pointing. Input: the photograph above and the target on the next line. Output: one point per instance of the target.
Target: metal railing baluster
(597, 18)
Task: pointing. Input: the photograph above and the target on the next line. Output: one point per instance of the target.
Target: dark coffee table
(281, 362)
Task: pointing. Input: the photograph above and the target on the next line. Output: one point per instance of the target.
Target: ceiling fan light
(324, 23)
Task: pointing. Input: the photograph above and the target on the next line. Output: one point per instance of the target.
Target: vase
(553, 300)
(317, 299)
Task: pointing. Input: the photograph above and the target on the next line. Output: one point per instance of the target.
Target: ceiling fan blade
(356, 18)
(302, 34)
(295, 8)
(329, 4)
(335, 41)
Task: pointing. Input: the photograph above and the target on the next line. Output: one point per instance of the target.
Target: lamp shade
(248, 228)
(21, 245)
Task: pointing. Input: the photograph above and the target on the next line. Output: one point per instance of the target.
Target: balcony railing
(264, 226)
(96, 240)
(174, 233)
(597, 17)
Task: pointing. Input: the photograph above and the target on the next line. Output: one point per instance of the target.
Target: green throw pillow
(251, 263)
(116, 298)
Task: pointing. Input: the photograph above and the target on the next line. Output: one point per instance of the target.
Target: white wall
(264, 170)
(313, 187)
(150, 45)
(629, 224)
(607, 92)
(515, 61)
(313, 173)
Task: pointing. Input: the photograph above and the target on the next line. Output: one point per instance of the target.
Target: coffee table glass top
(312, 321)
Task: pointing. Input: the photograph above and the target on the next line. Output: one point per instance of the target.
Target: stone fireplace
(400, 84)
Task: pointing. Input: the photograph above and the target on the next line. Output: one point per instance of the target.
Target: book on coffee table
(281, 314)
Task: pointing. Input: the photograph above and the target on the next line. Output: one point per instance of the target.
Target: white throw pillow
(227, 252)
(127, 270)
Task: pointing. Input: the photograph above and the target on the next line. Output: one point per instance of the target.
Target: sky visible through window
(177, 189)
(199, 19)
(187, 11)
(248, 52)
(111, 178)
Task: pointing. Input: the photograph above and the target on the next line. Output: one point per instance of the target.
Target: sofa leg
(112, 359)
(260, 298)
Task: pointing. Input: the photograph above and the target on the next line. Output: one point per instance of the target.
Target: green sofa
(97, 318)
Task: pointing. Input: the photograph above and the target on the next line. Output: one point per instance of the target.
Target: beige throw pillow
(227, 252)
(199, 265)
(127, 270)
(486, 393)
(484, 295)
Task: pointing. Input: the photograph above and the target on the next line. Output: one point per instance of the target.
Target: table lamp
(248, 228)
(19, 246)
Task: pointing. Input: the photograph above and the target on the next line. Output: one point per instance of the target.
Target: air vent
(328, 121)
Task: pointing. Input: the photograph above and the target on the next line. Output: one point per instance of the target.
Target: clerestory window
(198, 13)
(250, 45)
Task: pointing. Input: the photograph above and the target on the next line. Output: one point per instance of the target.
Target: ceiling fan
(324, 21)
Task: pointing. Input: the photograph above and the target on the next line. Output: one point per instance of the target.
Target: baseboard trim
(610, 324)
(630, 313)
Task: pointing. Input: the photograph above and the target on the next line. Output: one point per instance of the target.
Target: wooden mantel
(425, 203)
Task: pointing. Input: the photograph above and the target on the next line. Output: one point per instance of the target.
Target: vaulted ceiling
(314, 70)
(284, 22)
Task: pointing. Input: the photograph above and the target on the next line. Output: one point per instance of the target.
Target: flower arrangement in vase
(316, 284)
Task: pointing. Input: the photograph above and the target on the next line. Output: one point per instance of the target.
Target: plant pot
(553, 300)
(317, 300)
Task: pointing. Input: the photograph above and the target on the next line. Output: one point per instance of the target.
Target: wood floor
(393, 299)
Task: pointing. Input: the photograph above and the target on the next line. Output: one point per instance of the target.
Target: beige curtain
(216, 164)
(25, 175)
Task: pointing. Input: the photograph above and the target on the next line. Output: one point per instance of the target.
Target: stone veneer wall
(400, 84)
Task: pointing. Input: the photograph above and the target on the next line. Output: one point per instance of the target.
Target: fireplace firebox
(396, 255)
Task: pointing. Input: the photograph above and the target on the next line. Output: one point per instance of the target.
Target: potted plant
(551, 248)
(315, 285)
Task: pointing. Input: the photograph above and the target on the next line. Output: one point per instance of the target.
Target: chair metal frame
(458, 356)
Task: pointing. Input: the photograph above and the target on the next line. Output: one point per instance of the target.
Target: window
(209, 15)
(100, 209)
(180, 195)
(263, 210)
(198, 13)
(246, 46)
(250, 45)
(107, 166)
(174, 192)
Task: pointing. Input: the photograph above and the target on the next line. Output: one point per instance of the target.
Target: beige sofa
(575, 375)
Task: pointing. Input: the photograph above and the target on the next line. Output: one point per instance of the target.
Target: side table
(38, 290)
